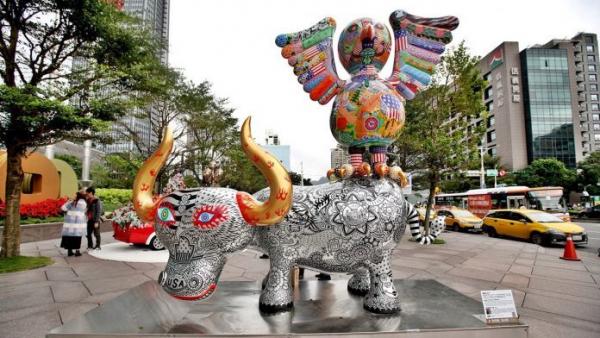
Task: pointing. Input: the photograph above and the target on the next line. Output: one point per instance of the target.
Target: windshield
(543, 217)
(546, 203)
(462, 213)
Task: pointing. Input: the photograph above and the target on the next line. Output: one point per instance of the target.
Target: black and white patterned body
(346, 227)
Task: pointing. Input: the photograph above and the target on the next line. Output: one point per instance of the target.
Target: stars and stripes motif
(392, 106)
(401, 40)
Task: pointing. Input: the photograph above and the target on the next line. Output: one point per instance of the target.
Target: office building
(273, 146)
(543, 101)
(339, 156)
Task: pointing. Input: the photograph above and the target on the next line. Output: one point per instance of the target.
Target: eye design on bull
(165, 215)
(210, 216)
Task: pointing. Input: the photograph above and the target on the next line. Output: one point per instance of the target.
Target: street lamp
(482, 150)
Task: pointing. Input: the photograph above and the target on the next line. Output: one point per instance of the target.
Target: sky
(231, 44)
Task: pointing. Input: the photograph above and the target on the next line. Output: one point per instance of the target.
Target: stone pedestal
(429, 309)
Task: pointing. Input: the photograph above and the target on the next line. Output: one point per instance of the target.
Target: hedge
(114, 196)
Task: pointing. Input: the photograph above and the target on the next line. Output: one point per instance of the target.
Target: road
(593, 231)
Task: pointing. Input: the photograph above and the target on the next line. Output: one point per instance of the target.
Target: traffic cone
(570, 253)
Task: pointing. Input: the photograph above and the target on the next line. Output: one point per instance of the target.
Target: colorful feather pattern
(310, 54)
(420, 42)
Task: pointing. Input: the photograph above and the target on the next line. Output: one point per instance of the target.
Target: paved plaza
(556, 298)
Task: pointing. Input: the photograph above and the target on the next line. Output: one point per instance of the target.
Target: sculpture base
(429, 309)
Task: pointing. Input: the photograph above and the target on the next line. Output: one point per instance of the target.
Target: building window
(596, 137)
(589, 48)
(491, 121)
(487, 77)
(595, 107)
(596, 117)
(490, 106)
(489, 92)
(596, 126)
(594, 87)
(491, 136)
(593, 77)
(594, 97)
(592, 68)
(591, 58)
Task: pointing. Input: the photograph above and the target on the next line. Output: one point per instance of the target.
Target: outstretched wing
(420, 42)
(310, 52)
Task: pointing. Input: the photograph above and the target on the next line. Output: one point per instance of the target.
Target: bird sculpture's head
(364, 46)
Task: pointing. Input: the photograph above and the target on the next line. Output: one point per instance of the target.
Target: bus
(481, 201)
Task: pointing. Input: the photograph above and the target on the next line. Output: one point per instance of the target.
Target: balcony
(580, 87)
(579, 78)
(584, 128)
(583, 117)
(578, 68)
(581, 98)
(578, 58)
(577, 48)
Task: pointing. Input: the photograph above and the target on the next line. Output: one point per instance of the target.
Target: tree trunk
(11, 239)
(432, 185)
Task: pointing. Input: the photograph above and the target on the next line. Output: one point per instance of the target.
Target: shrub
(43, 209)
(114, 196)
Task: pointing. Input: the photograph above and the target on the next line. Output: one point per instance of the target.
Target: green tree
(117, 171)
(297, 178)
(590, 173)
(547, 172)
(438, 137)
(42, 98)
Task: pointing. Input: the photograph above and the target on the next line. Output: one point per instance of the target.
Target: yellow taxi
(421, 212)
(537, 226)
(460, 219)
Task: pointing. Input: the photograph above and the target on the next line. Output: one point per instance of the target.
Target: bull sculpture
(350, 226)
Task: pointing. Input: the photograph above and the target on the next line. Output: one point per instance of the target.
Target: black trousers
(96, 231)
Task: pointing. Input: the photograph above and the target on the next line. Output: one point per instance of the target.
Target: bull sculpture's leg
(382, 296)
(360, 282)
(277, 293)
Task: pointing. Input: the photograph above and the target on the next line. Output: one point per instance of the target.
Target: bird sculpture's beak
(368, 33)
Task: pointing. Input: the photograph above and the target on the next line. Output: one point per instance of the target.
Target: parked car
(128, 228)
(537, 226)
(461, 220)
(421, 212)
(592, 212)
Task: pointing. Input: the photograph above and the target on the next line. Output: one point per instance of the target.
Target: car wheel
(536, 238)
(492, 232)
(156, 244)
(455, 227)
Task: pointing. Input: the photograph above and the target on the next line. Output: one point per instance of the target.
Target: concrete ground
(556, 298)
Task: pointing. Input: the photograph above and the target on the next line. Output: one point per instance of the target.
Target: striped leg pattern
(436, 226)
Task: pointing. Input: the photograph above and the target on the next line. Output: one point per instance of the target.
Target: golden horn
(280, 197)
(146, 176)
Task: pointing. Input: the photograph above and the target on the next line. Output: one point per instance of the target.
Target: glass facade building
(547, 100)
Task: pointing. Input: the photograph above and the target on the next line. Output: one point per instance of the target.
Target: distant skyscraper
(154, 15)
(339, 156)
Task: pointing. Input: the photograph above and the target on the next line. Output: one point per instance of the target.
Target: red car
(128, 228)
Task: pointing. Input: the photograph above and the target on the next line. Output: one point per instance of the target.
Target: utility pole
(482, 172)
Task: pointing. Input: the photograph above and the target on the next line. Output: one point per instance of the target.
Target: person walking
(94, 214)
(75, 224)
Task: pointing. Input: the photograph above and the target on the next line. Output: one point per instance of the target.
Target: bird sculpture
(368, 111)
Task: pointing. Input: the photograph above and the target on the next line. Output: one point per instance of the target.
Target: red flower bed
(43, 209)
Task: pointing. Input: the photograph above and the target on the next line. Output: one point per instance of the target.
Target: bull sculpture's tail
(435, 228)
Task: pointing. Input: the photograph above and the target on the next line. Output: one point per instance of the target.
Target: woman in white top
(75, 224)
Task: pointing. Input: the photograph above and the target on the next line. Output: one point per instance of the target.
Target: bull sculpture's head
(200, 226)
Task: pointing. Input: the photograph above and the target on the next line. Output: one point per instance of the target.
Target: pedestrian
(75, 224)
(94, 214)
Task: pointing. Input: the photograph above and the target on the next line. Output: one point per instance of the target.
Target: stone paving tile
(92, 271)
(483, 263)
(61, 273)
(562, 295)
(492, 276)
(153, 274)
(563, 274)
(558, 320)
(24, 286)
(597, 279)
(409, 262)
(31, 326)
(102, 298)
(71, 311)
(518, 296)
(563, 307)
(593, 268)
(525, 261)
(69, 292)
(25, 298)
(561, 264)
(521, 269)
(141, 266)
(455, 260)
(516, 281)
(104, 285)
(565, 287)
(17, 278)
(14, 314)
(549, 329)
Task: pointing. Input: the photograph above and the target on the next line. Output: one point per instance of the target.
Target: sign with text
(499, 306)
(479, 204)
(491, 172)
